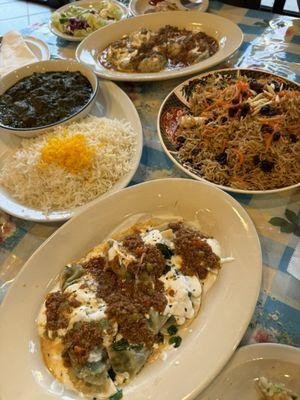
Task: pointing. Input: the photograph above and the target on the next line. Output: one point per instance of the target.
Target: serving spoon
(191, 5)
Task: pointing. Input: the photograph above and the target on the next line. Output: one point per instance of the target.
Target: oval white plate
(85, 4)
(138, 7)
(227, 33)
(278, 363)
(180, 99)
(111, 102)
(39, 48)
(208, 342)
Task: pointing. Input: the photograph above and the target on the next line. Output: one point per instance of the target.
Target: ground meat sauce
(148, 51)
(129, 299)
(58, 307)
(80, 341)
(133, 243)
(197, 256)
(151, 263)
(131, 294)
(44, 98)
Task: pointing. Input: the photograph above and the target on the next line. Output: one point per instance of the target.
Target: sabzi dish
(147, 51)
(121, 305)
(239, 129)
(44, 98)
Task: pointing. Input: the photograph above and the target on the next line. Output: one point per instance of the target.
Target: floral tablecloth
(271, 42)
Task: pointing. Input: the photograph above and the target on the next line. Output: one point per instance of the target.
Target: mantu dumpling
(128, 298)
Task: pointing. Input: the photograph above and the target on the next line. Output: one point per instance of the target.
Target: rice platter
(70, 165)
(236, 128)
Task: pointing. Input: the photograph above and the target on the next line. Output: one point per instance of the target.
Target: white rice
(52, 187)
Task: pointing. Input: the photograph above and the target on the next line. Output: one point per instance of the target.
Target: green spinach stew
(44, 98)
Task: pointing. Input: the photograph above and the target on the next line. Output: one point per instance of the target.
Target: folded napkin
(14, 53)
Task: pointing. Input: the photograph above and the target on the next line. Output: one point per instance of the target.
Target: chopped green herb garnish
(165, 250)
(167, 268)
(175, 340)
(117, 396)
(160, 337)
(172, 330)
(120, 345)
(111, 374)
(129, 276)
(136, 347)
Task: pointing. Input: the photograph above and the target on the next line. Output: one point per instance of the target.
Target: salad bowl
(75, 22)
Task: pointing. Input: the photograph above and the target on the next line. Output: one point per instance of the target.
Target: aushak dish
(120, 306)
(168, 48)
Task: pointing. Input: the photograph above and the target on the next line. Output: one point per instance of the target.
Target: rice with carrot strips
(241, 132)
(71, 164)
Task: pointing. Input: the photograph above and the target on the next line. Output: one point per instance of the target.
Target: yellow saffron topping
(71, 153)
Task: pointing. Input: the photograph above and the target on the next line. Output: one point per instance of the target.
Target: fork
(190, 5)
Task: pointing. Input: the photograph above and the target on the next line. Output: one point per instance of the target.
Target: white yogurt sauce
(180, 289)
(155, 236)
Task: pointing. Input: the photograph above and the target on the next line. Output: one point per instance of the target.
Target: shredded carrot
(216, 103)
(292, 126)
(270, 119)
(209, 128)
(291, 93)
(240, 156)
(241, 85)
(269, 140)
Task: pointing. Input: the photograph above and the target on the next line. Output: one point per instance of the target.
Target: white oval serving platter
(226, 32)
(209, 341)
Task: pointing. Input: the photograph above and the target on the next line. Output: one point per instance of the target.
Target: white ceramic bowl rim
(95, 87)
(192, 174)
(202, 7)
(265, 350)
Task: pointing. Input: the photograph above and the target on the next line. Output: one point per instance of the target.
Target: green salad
(80, 21)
